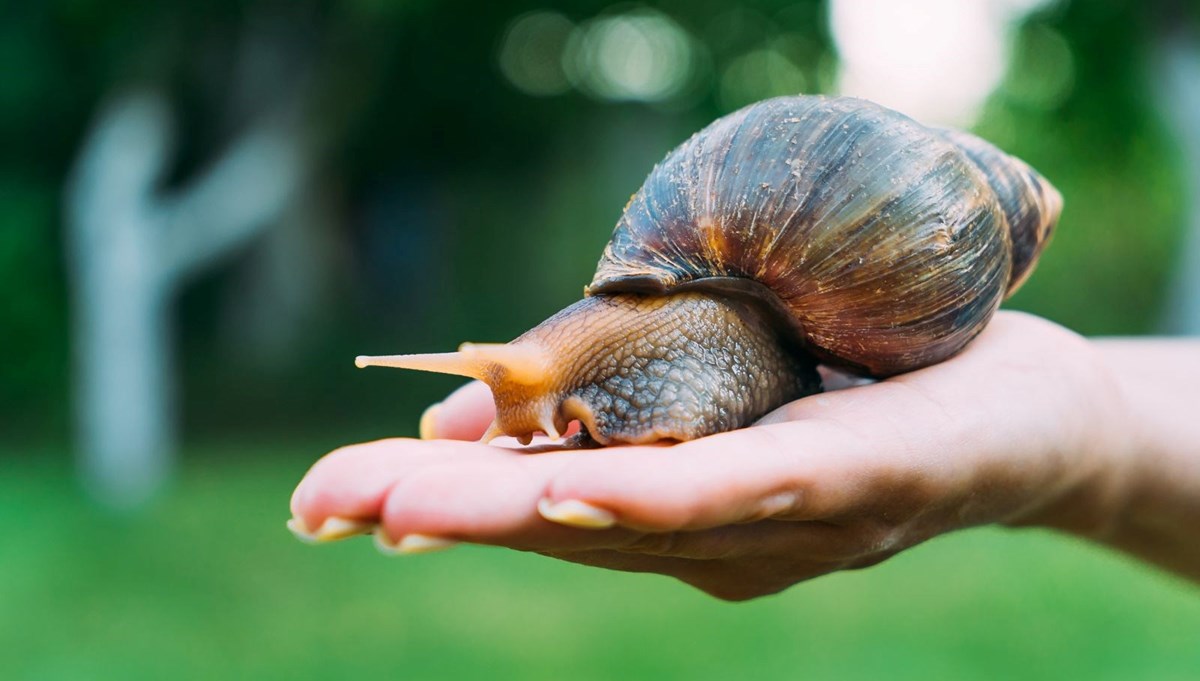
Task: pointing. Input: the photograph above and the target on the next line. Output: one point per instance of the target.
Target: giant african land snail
(796, 231)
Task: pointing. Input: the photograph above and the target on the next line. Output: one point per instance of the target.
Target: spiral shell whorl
(1030, 204)
(882, 238)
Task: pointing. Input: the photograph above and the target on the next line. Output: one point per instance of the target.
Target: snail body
(795, 231)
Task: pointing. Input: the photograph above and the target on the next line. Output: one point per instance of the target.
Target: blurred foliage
(466, 209)
(1104, 147)
(468, 182)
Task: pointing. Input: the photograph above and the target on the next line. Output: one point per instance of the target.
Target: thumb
(464, 415)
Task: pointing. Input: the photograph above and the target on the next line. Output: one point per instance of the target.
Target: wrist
(1090, 507)
(1091, 490)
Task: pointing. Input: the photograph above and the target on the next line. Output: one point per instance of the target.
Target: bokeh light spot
(532, 50)
(641, 55)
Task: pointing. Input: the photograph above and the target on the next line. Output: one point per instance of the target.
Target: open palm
(1020, 428)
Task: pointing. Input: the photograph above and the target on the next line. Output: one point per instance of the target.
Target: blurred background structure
(207, 209)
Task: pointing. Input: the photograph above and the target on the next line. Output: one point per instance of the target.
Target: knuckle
(876, 537)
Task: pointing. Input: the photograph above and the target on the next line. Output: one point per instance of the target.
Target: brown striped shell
(883, 244)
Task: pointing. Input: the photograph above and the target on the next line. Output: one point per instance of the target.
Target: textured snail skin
(637, 369)
(796, 230)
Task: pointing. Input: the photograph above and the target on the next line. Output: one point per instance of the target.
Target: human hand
(1023, 427)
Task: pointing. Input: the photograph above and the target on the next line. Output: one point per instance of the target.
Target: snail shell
(796, 230)
(888, 244)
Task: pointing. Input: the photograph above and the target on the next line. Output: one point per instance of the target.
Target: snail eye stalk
(523, 363)
(453, 363)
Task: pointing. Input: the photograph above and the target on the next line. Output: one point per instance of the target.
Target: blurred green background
(439, 172)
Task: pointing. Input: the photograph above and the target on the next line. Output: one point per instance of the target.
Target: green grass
(207, 584)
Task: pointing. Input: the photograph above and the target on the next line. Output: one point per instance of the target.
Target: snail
(794, 232)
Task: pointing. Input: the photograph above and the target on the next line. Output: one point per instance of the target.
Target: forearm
(1154, 488)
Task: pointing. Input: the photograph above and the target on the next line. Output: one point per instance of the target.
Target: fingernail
(425, 429)
(297, 527)
(411, 543)
(576, 513)
(332, 529)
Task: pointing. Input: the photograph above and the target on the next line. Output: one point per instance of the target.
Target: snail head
(521, 375)
(631, 368)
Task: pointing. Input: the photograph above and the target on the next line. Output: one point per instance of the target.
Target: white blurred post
(1178, 81)
(129, 249)
(934, 60)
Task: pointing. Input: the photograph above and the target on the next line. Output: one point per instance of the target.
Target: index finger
(464, 415)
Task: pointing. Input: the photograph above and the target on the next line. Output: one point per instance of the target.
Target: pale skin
(1032, 425)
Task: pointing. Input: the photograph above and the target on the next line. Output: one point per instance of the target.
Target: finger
(487, 500)
(440, 489)
(351, 482)
(464, 415)
(797, 471)
(343, 483)
(484, 494)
